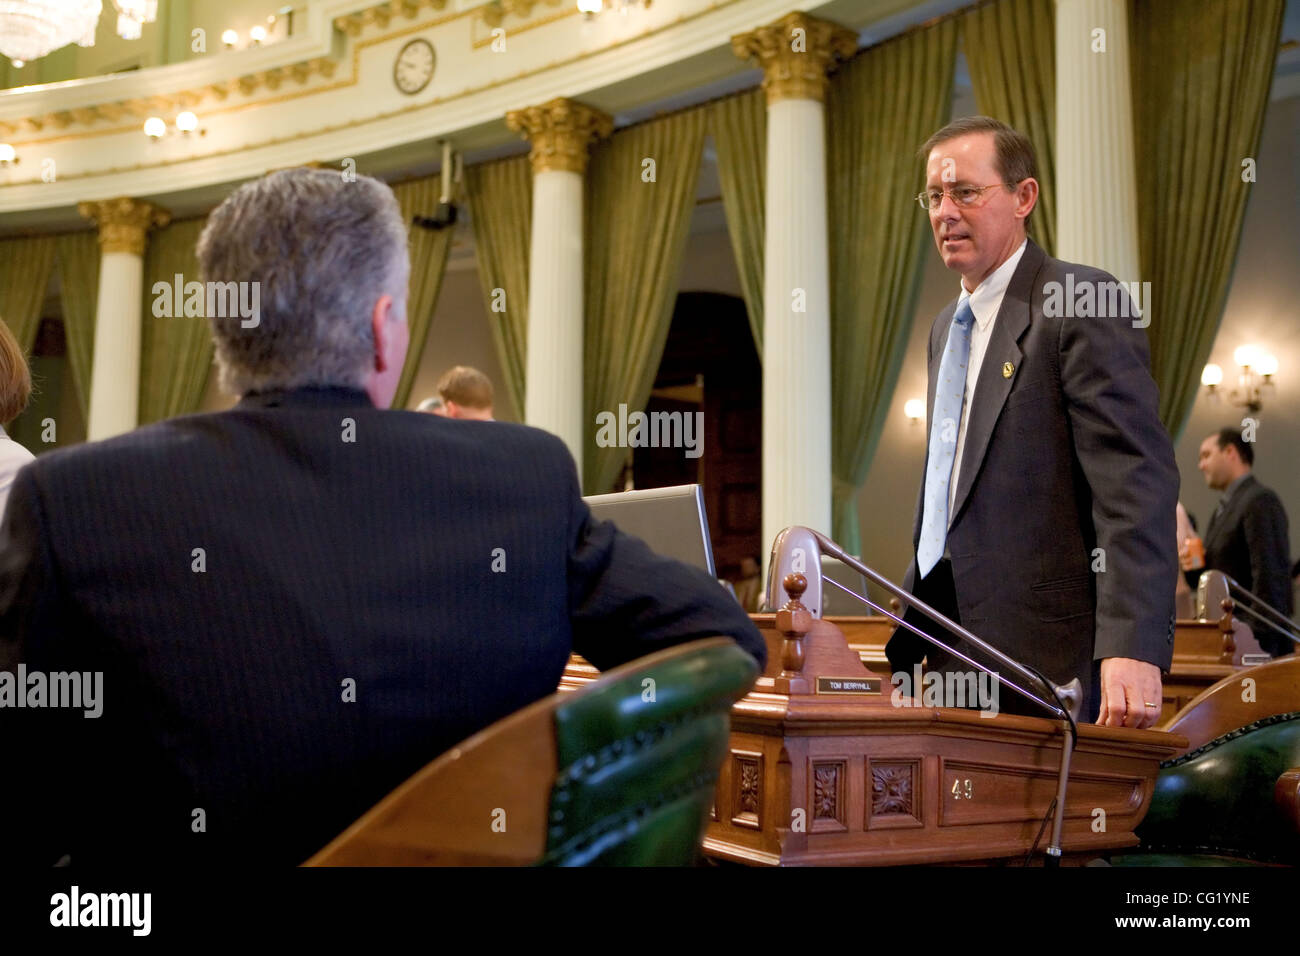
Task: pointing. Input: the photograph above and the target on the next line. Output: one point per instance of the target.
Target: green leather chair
(1223, 804)
(621, 772)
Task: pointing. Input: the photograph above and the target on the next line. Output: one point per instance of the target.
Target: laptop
(671, 520)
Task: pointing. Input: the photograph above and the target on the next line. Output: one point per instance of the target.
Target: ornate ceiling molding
(142, 107)
(381, 14)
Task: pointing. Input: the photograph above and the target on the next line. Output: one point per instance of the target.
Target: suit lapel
(1219, 520)
(992, 386)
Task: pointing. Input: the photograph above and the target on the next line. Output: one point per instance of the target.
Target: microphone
(799, 550)
(446, 214)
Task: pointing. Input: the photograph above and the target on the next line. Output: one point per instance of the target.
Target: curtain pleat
(176, 350)
(25, 266)
(881, 106)
(1011, 52)
(636, 234)
(78, 265)
(429, 249)
(1201, 77)
(739, 127)
(500, 198)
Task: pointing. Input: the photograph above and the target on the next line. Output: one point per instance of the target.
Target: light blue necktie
(949, 395)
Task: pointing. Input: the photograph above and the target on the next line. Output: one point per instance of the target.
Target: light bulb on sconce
(229, 38)
(914, 409)
(187, 122)
(1256, 368)
(257, 34)
(155, 128)
(589, 8)
(8, 155)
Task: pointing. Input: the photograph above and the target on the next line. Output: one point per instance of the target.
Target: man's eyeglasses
(962, 195)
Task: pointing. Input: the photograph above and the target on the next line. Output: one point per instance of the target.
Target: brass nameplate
(848, 685)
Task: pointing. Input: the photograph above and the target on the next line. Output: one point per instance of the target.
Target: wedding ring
(1149, 704)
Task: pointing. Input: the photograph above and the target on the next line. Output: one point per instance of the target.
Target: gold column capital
(560, 131)
(124, 222)
(795, 53)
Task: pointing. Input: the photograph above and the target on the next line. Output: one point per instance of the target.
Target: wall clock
(413, 68)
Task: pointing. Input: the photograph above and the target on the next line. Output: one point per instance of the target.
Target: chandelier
(29, 29)
(132, 15)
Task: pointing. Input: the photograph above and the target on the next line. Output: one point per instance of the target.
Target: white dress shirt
(12, 457)
(985, 302)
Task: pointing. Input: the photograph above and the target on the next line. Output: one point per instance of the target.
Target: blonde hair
(466, 386)
(15, 377)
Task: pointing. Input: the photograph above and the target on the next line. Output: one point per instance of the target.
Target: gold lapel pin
(1007, 369)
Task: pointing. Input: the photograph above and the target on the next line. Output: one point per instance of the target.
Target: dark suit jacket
(1065, 456)
(1248, 542)
(324, 564)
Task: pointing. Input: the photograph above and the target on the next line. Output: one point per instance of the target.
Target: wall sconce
(257, 34)
(186, 123)
(8, 155)
(1257, 369)
(229, 38)
(914, 409)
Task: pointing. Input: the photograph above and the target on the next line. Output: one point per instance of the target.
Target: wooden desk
(814, 779)
(1204, 653)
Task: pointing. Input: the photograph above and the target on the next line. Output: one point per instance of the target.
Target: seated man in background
(466, 393)
(297, 603)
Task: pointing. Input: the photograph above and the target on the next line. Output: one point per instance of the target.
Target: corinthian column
(795, 53)
(115, 372)
(560, 132)
(1096, 173)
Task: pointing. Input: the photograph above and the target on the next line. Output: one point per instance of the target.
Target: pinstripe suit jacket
(295, 605)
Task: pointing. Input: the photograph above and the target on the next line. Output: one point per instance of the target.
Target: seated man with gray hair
(297, 603)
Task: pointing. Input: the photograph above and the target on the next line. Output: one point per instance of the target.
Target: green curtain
(1201, 76)
(176, 350)
(25, 266)
(1011, 51)
(635, 239)
(78, 254)
(500, 198)
(881, 106)
(739, 127)
(429, 250)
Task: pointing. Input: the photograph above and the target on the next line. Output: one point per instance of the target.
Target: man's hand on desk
(1127, 687)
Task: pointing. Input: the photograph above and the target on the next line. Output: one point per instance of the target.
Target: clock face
(413, 68)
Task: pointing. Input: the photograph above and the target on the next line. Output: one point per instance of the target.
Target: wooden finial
(793, 621)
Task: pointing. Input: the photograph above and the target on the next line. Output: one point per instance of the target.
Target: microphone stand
(1266, 614)
(801, 539)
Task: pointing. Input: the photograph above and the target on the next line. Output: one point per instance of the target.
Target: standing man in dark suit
(297, 603)
(1045, 522)
(1246, 538)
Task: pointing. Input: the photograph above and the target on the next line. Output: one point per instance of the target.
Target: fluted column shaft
(795, 53)
(1096, 174)
(115, 370)
(561, 132)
